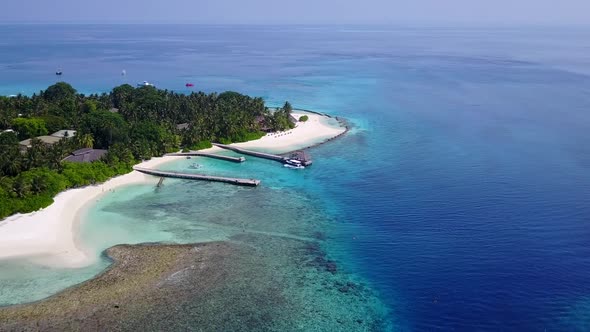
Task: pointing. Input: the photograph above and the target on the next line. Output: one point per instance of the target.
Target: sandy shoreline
(48, 236)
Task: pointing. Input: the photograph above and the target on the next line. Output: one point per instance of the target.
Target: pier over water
(306, 161)
(189, 176)
(208, 155)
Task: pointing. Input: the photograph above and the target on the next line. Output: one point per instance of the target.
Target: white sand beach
(48, 236)
(315, 130)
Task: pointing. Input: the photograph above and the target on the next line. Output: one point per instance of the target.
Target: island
(62, 150)
(59, 139)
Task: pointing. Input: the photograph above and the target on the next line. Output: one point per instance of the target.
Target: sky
(446, 12)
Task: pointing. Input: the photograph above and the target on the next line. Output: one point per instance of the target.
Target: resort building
(261, 121)
(85, 155)
(182, 126)
(67, 133)
(47, 140)
(292, 119)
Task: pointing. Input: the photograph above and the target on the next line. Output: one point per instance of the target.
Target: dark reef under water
(218, 286)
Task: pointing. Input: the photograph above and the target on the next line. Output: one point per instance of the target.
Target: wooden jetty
(306, 161)
(208, 155)
(251, 153)
(189, 176)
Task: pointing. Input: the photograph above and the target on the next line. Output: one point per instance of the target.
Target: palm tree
(35, 154)
(21, 187)
(10, 164)
(86, 141)
(38, 184)
(56, 153)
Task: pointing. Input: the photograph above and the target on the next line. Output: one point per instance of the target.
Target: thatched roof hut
(261, 121)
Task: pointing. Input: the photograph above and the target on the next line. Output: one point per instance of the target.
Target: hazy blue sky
(301, 11)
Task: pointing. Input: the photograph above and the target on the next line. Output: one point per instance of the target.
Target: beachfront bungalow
(292, 119)
(85, 155)
(261, 121)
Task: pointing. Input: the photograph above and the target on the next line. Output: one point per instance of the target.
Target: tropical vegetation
(133, 124)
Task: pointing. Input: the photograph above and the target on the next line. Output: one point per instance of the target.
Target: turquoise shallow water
(460, 198)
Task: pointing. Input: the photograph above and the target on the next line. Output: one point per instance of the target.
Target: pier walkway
(208, 155)
(251, 153)
(189, 176)
(298, 155)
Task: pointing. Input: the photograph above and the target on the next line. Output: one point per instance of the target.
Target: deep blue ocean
(462, 194)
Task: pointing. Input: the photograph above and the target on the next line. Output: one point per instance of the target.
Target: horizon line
(381, 24)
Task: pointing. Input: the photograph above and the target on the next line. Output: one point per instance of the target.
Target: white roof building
(64, 133)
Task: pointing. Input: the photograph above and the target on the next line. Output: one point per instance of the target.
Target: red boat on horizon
(188, 85)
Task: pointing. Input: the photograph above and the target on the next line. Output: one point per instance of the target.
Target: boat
(188, 85)
(124, 72)
(293, 162)
(58, 72)
(294, 166)
(145, 83)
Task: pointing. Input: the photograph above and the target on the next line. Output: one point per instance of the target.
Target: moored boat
(294, 166)
(293, 162)
(145, 83)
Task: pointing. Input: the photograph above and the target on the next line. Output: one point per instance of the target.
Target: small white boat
(145, 83)
(294, 166)
(293, 162)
